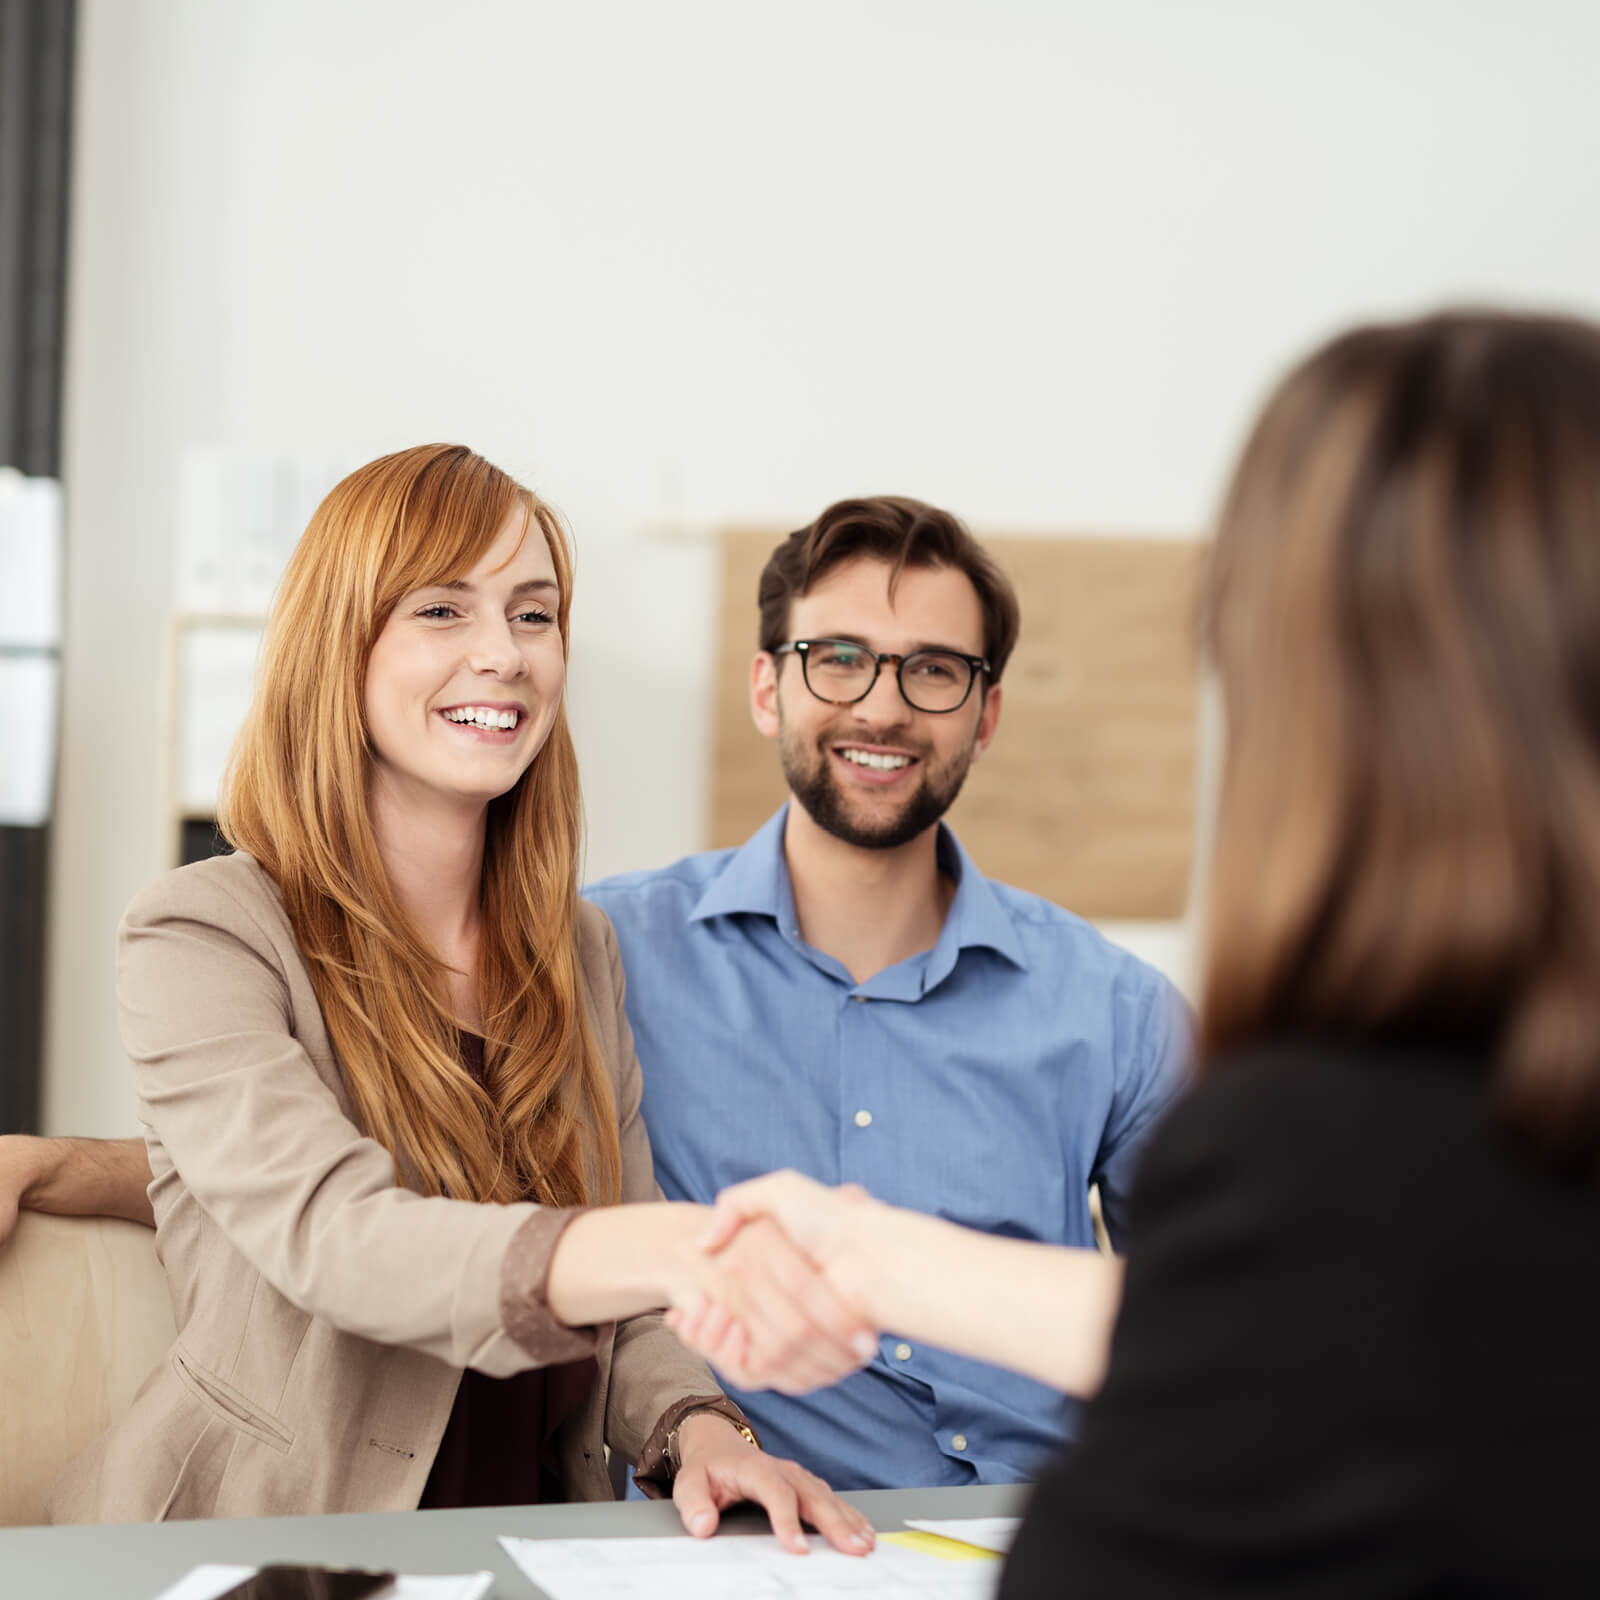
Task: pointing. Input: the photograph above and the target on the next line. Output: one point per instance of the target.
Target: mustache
(827, 740)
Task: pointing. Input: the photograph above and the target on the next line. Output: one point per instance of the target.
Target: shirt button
(902, 1352)
(958, 1442)
(860, 999)
(863, 1119)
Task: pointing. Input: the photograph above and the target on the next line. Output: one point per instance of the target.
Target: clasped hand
(790, 1310)
(774, 1322)
(773, 1318)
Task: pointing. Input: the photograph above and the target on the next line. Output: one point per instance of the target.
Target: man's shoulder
(1061, 940)
(665, 890)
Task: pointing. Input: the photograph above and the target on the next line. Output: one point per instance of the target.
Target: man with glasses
(846, 993)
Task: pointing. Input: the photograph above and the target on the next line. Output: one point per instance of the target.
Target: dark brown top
(499, 1446)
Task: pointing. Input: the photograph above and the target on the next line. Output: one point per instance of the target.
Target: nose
(493, 650)
(883, 705)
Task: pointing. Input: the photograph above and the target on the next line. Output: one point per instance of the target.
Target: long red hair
(543, 1123)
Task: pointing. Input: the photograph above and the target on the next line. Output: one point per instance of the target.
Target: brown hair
(542, 1125)
(904, 533)
(1404, 604)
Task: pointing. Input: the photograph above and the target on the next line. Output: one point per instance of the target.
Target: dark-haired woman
(1358, 1350)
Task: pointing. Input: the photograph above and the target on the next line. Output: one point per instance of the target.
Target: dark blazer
(1358, 1354)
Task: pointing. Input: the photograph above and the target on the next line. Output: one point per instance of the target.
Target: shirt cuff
(653, 1471)
(524, 1282)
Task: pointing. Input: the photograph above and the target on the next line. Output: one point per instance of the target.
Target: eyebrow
(867, 644)
(527, 586)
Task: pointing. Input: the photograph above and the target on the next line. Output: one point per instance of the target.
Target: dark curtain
(36, 67)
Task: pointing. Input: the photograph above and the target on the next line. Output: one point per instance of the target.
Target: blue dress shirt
(989, 1080)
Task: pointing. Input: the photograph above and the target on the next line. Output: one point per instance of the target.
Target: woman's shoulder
(233, 892)
(599, 959)
(1383, 1140)
(1312, 1085)
(1304, 1114)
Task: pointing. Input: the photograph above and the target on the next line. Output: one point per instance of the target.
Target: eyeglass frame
(800, 647)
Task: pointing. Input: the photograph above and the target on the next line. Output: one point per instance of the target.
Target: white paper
(240, 513)
(28, 687)
(756, 1567)
(987, 1533)
(30, 560)
(203, 579)
(206, 1583)
(216, 676)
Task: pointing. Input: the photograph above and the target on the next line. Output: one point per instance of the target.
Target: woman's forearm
(617, 1261)
(1043, 1310)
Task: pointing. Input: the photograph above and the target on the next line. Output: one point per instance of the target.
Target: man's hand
(719, 1468)
(74, 1178)
(19, 1171)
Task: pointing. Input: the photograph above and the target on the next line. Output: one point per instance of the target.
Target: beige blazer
(324, 1314)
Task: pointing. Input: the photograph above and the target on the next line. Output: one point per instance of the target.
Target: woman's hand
(819, 1219)
(1043, 1310)
(795, 1332)
(718, 1468)
(832, 1227)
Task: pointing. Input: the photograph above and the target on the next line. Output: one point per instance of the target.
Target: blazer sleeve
(655, 1381)
(261, 1141)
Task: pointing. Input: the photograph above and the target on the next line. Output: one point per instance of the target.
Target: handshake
(783, 1287)
(791, 1284)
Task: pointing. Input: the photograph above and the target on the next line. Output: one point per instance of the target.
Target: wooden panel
(1087, 794)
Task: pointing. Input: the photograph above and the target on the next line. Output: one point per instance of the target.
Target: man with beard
(846, 994)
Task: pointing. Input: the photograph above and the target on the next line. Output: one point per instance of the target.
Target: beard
(808, 769)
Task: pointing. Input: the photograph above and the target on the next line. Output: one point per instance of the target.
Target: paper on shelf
(240, 513)
(206, 1583)
(28, 687)
(216, 676)
(30, 560)
(987, 1533)
(741, 1567)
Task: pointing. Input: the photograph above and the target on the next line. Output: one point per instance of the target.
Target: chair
(84, 1317)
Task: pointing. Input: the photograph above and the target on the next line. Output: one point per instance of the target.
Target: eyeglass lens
(931, 680)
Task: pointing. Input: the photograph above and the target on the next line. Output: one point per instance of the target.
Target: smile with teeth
(871, 758)
(482, 717)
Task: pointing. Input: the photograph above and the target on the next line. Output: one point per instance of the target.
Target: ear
(764, 693)
(988, 720)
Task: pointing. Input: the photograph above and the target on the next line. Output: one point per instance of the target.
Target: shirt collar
(976, 917)
(756, 881)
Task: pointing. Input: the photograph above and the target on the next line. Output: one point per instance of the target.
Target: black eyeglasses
(841, 672)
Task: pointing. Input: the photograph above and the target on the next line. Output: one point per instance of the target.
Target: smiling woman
(470, 668)
(389, 1090)
(408, 573)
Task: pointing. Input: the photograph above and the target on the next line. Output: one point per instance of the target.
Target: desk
(135, 1561)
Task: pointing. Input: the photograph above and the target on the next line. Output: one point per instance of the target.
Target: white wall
(709, 262)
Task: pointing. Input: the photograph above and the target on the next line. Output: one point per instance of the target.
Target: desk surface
(135, 1561)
